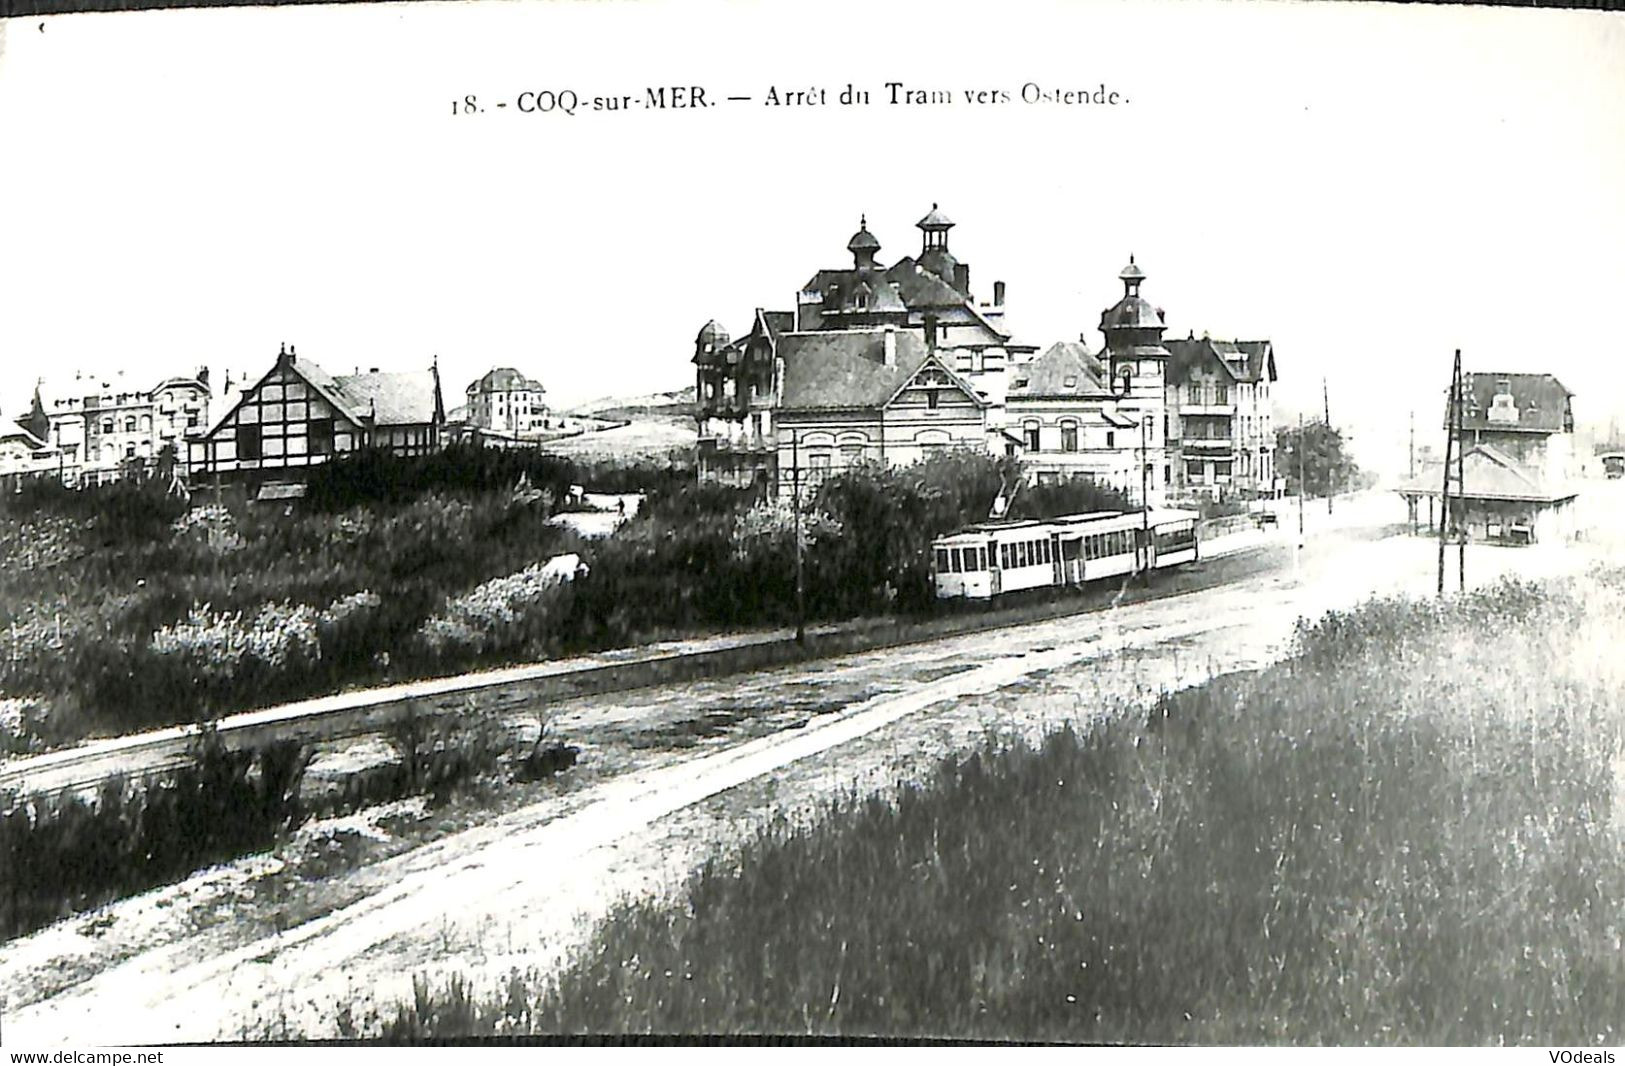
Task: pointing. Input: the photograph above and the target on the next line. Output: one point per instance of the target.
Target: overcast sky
(1370, 186)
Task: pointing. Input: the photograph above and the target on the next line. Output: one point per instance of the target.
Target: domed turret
(1133, 319)
(711, 340)
(863, 246)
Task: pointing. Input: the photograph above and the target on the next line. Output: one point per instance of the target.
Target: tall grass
(1405, 833)
(61, 854)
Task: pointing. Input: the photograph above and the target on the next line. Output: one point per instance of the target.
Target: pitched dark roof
(846, 369)
(1540, 403)
(1260, 360)
(1067, 368)
(919, 287)
(1244, 361)
(778, 322)
(1131, 312)
(505, 379)
(10, 430)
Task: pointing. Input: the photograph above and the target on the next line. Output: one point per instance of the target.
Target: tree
(1327, 465)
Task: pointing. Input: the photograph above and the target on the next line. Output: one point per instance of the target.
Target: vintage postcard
(1083, 523)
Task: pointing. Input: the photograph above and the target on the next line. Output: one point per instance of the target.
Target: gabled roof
(10, 430)
(1067, 368)
(1540, 402)
(933, 362)
(1260, 360)
(920, 287)
(775, 323)
(392, 399)
(846, 369)
(383, 399)
(1490, 474)
(1247, 362)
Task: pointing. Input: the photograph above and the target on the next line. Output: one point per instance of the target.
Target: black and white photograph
(1073, 523)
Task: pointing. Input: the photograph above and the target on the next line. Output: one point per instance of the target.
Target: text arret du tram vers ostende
(557, 100)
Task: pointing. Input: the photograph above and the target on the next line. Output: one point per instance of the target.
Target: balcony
(1206, 402)
(1208, 447)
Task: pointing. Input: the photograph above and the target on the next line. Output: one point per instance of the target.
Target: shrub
(505, 614)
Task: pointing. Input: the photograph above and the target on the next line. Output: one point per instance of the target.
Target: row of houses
(892, 364)
(91, 429)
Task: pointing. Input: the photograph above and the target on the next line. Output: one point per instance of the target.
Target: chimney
(998, 294)
(891, 345)
(930, 331)
(962, 279)
(203, 376)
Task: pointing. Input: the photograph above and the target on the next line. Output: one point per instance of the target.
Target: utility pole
(795, 491)
(1413, 446)
(1145, 503)
(1449, 442)
(1461, 478)
(1326, 409)
(1300, 480)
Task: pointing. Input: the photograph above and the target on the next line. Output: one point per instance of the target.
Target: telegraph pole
(1301, 486)
(1461, 477)
(1451, 421)
(1145, 503)
(1331, 475)
(795, 491)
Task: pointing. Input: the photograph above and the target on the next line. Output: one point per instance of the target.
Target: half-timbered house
(298, 415)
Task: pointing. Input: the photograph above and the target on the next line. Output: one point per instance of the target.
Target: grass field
(1406, 833)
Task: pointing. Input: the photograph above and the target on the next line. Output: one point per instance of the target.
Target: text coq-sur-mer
(568, 101)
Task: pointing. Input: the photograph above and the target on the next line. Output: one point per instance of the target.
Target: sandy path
(521, 892)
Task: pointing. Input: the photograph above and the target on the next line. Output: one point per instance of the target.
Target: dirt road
(675, 774)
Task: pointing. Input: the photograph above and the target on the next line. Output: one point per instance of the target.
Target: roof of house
(10, 430)
(1131, 312)
(505, 379)
(1067, 368)
(1540, 403)
(1489, 474)
(1244, 361)
(392, 398)
(921, 287)
(384, 398)
(847, 369)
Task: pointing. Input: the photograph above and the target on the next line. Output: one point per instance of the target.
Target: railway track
(354, 714)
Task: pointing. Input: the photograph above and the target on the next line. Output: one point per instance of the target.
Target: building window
(1069, 436)
(248, 442)
(1111, 438)
(129, 425)
(1030, 432)
(321, 436)
(1193, 393)
(1221, 394)
(107, 425)
(931, 399)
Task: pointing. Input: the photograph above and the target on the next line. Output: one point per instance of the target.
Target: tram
(993, 558)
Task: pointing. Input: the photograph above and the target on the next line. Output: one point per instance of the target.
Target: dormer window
(1071, 381)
